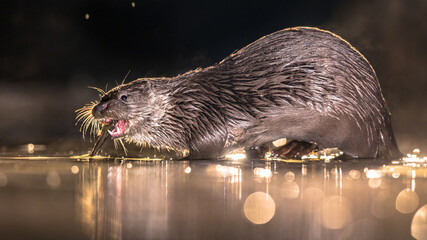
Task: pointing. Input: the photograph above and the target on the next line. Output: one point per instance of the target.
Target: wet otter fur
(299, 83)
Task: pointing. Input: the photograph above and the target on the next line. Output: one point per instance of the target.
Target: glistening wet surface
(76, 198)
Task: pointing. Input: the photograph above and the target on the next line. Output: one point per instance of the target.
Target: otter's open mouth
(120, 126)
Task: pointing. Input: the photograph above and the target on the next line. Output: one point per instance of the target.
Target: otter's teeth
(110, 132)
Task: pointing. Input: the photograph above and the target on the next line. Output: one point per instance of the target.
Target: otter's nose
(99, 109)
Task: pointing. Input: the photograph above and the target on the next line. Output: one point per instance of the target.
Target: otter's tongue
(119, 129)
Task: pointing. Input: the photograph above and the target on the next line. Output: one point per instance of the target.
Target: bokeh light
(419, 224)
(30, 148)
(374, 182)
(354, 174)
(290, 176)
(289, 190)
(75, 169)
(407, 201)
(259, 208)
(262, 172)
(335, 213)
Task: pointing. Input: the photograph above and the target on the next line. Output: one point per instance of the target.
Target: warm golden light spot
(236, 154)
(259, 208)
(335, 213)
(187, 170)
(304, 170)
(374, 182)
(413, 158)
(419, 224)
(289, 190)
(408, 169)
(372, 173)
(75, 169)
(279, 142)
(262, 172)
(30, 148)
(416, 151)
(133, 4)
(354, 174)
(87, 16)
(407, 201)
(236, 157)
(129, 165)
(290, 176)
(227, 171)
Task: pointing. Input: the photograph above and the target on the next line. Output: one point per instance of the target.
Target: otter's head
(134, 110)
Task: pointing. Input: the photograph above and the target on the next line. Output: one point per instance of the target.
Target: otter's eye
(124, 98)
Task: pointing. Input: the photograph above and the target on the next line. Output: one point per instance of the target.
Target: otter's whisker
(102, 92)
(115, 144)
(123, 146)
(124, 79)
(84, 115)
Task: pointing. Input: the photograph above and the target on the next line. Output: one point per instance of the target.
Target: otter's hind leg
(294, 149)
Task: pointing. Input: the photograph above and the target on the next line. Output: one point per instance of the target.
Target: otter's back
(308, 68)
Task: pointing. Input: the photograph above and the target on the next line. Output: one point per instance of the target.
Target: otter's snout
(99, 109)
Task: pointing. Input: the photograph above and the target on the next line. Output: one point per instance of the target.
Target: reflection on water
(135, 199)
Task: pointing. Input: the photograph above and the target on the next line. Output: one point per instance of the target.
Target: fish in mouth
(103, 128)
(110, 128)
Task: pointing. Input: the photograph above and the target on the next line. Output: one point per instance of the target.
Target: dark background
(50, 53)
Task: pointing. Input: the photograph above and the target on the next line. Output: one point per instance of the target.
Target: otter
(300, 83)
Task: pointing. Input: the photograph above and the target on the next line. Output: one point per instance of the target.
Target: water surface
(77, 198)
